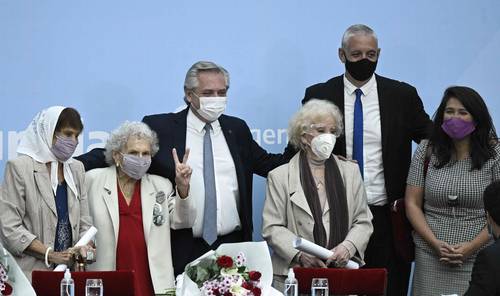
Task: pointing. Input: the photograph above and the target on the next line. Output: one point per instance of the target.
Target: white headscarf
(37, 141)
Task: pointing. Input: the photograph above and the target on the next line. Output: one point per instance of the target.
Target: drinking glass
(93, 287)
(319, 287)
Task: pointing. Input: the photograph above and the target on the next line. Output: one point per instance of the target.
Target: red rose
(216, 292)
(256, 291)
(254, 275)
(247, 285)
(225, 261)
(228, 294)
(8, 290)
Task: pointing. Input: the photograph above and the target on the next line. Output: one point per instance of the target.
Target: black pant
(200, 246)
(380, 253)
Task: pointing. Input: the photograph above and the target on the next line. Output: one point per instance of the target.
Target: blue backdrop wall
(120, 60)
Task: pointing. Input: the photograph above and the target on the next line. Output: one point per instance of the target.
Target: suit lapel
(110, 196)
(336, 89)
(384, 109)
(74, 211)
(297, 195)
(42, 180)
(148, 200)
(230, 140)
(179, 134)
(233, 146)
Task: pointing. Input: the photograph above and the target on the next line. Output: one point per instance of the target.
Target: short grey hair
(313, 111)
(120, 136)
(355, 30)
(191, 81)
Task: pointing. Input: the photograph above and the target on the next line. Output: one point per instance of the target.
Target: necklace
(127, 186)
(318, 172)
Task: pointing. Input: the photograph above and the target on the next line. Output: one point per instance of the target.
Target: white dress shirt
(372, 138)
(226, 182)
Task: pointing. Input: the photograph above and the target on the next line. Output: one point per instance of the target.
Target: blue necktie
(210, 209)
(357, 139)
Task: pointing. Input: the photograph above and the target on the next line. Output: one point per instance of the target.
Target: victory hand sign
(182, 173)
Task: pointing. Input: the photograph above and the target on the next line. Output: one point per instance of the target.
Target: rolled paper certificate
(86, 238)
(311, 248)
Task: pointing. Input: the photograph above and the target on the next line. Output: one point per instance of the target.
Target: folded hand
(340, 256)
(448, 254)
(309, 261)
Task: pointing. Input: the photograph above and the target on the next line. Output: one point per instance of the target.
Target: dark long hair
(482, 139)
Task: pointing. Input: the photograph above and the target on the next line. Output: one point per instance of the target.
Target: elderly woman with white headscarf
(316, 196)
(43, 197)
(134, 211)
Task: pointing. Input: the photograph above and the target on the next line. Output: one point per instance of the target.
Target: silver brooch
(160, 197)
(158, 218)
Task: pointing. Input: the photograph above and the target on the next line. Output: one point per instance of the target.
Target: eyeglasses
(322, 129)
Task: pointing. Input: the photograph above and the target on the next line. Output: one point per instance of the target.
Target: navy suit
(485, 278)
(402, 120)
(249, 158)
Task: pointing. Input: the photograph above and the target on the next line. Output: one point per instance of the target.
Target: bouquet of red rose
(225, 276)
(242, 269)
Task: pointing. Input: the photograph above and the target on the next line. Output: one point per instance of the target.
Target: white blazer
(286, 212)
(103, 204)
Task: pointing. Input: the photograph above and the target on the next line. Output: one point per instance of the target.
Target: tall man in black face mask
(382, 118)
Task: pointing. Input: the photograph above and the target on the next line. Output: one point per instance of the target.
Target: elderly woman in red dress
(134, 211)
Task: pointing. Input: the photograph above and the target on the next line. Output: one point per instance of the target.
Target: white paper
(20, 284)
(86, 238)
(311, 248)
(258, 258)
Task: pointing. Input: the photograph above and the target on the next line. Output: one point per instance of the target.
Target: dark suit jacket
(249, 158)
(403, 120)
(485, 278)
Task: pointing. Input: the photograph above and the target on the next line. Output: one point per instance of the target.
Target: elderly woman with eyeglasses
(316, 196)
(134, 211)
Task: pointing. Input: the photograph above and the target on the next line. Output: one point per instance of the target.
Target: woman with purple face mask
(444, 193)
(44, 202)
(134, 211)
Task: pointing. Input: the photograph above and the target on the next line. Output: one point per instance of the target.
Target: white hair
(356, 30)
(120, 136)
(191, 81)
(313, 111)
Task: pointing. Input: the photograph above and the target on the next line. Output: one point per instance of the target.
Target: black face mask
(361, 70)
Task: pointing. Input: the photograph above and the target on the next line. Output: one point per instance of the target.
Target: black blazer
(249, 158)
(403, 120)
(485, 278)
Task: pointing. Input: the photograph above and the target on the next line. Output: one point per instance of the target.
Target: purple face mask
(134, 166)
(63, 148)
(458, 128)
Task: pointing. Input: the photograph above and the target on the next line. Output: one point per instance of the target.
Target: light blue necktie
(357, 143)
(210, 210)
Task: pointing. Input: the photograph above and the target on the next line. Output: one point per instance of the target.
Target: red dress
(131, 251)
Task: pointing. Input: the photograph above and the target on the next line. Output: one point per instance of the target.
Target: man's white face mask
(212, 107)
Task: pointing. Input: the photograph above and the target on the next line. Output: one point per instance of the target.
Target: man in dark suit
(382, 117)
(485, 278)
(223, 156)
